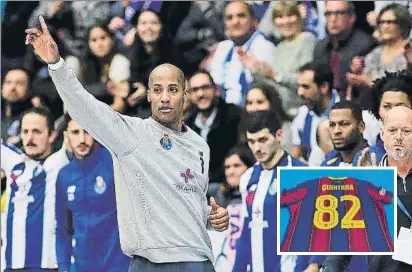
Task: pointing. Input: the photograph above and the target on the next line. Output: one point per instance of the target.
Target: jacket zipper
(404, 184)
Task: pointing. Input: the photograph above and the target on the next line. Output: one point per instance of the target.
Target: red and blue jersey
(336, 215)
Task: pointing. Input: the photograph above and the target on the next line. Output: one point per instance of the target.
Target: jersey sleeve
(379, 194)
(290, 196)
(242, 247)
(107, 126)
(63, 227)
(10, 156)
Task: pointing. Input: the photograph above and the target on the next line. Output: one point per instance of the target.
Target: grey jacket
(161, 177)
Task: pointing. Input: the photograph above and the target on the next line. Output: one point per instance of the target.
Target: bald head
(397, 133)
(167, 69)
(398, 114)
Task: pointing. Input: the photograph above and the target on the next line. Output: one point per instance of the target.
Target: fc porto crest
(100, 185)
(166, 142)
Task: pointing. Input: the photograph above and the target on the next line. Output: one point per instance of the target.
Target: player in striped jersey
(28, 235)
(256, 247)
(315, 87)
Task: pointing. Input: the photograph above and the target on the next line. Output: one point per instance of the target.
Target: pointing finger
(43, 25)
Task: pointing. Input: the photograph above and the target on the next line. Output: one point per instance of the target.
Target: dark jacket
(357, 43)
(221, 138)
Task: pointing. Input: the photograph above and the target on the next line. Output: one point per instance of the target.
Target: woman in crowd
(295, 49)
(264, 96)
(394, 25)
(104, 70)
(237, 161)
(152, 46)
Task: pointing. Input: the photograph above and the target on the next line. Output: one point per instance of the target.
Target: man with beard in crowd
(215, 121)
(28, 235)
(346, 127)
(86, 205)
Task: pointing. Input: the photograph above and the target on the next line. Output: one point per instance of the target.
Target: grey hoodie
(160, 192)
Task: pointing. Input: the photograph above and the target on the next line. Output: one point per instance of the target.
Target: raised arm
(104, 124)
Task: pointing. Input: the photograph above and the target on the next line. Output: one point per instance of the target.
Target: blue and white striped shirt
(29, 234)
(256, 247)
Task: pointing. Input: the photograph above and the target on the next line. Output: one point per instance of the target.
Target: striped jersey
(305, 124)
(29, 233)
(256, 247)
(336, 215)
(228, 71)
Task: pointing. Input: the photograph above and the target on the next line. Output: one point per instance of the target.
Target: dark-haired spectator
(152, 46)
(104, 70)
(17, 98)
(372, 16)
(344, 42)
(264, 96)
(214, 120)
(201, 29)
(392, 90)
(316, 88)
(30, 212)
(227, 70)
(394, 25)
(122, 19)
(236, 162)
(347, 139)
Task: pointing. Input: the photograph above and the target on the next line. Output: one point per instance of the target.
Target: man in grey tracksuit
(161, 167)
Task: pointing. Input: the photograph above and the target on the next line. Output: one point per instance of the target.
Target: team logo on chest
(100, 186)
(186, 175)
(166, 142)
(251, 194)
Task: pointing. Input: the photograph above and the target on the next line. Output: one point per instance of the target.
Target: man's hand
(364, 158)
(219, 217)
(44, 45)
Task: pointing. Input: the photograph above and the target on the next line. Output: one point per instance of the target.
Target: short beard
(350, 144)
(398, 156)
(37, 156)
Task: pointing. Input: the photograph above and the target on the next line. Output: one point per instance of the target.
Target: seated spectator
(316, 88)
(263, 96)
(200, 31)
(226, 68)
(104, 71)
(295, 49)
(392, 90)
(214, 120)
(394, 26)
(237, 161)
(344, 42)
(372, 16)
(17, 97)
(152, 46)
(122, 15)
